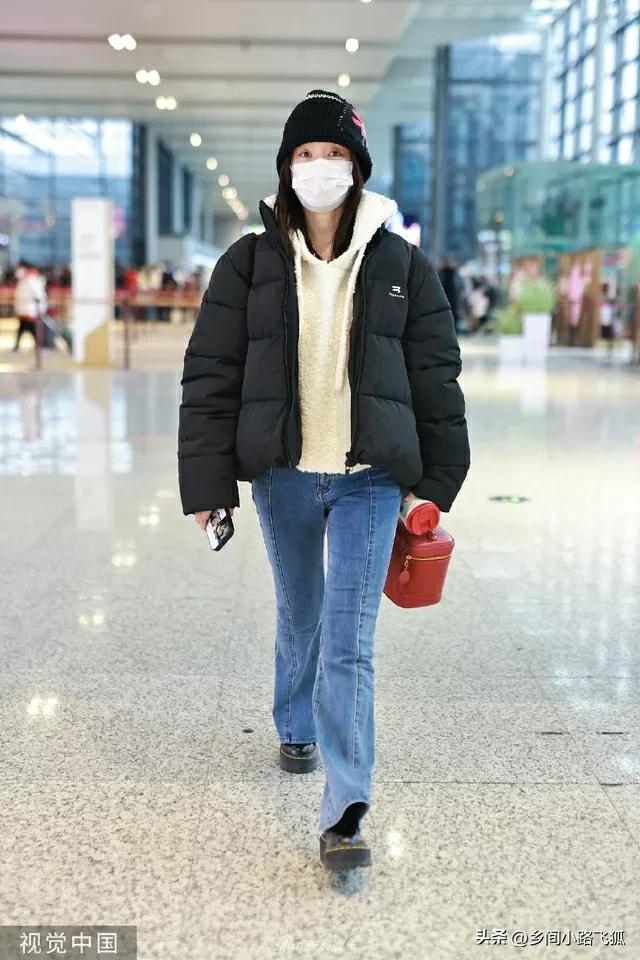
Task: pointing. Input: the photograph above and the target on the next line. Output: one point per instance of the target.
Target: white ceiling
(236, 67)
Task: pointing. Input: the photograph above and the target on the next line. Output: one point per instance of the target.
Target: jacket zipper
(349, 462)
(286, 361)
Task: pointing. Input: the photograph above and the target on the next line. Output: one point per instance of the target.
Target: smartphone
(219, 528)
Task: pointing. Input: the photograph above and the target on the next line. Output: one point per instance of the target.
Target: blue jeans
(324, 674)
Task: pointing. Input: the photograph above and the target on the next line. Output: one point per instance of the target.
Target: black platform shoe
(299, 757)
(341, 852)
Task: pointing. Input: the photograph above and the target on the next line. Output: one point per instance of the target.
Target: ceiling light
(195, 139)
(212, 163)
(223, 180)
(172, 103)
(124, 42)
(142, 76)
(230, 193)
(352, 45)
(366, 1)
(344, 80)
(153, 77)
(161, 103)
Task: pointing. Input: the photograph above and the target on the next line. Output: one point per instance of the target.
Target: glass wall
(559, 206)
(595, 50)
(626, 40)
(46, 162)
(491, 117)
(413, 163)
(575, 64)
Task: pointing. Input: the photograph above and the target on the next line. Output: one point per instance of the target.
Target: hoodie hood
(373, 212)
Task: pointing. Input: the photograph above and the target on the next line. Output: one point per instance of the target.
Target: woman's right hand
(202, 516)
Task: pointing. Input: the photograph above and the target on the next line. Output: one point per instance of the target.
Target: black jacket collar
(269, 220)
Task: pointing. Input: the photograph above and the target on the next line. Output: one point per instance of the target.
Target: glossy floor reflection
(138, 777)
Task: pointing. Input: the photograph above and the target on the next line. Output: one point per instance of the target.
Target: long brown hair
(289, 212)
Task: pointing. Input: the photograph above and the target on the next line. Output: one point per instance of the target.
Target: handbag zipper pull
(403, 579)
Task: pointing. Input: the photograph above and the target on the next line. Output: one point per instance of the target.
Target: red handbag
(418, 567)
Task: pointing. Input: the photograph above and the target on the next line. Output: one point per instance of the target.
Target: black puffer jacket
(240, 410)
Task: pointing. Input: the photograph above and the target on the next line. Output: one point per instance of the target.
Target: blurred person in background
(453, 287)
(608, 316)
(481, 300)
(478, 303)
(29, 299)
(323, 369)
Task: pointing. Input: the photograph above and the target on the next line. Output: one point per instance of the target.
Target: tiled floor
(138, 777)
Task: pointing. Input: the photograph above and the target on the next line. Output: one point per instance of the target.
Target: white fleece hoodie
(325, 304)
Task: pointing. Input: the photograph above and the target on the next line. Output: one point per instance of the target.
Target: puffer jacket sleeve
(212, 385)
(432, 357)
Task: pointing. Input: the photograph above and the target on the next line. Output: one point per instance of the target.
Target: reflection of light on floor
(151, 517)
(394, 840)
(42, 706)
(124, 559)
(95, 619)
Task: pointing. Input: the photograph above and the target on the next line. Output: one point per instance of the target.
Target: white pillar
(93, 278)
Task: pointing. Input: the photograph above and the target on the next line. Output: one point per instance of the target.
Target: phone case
(219, 528)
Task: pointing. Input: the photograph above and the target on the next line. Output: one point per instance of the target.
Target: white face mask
(322, 184)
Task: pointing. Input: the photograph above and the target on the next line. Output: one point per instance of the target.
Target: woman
(323, 368)
(30, 301)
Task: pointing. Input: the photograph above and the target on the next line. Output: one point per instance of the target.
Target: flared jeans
(324, 644)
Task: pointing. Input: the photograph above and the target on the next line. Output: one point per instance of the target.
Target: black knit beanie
(323, 115)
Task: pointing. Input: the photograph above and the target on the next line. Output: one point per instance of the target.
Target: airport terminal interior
(140, 783)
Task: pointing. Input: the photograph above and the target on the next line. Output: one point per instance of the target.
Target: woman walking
(323, 369)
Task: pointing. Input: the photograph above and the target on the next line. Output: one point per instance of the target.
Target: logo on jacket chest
(396, 291)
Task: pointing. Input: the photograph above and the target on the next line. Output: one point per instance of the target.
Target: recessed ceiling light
(352, 44)
(212, 163)
(229, 193)
(122, 42)
(344, 80)
(142, 76)
(366, 1)
(153, 77)
(172, 103)
(161, 103)
(223, 180)
(195, 139)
